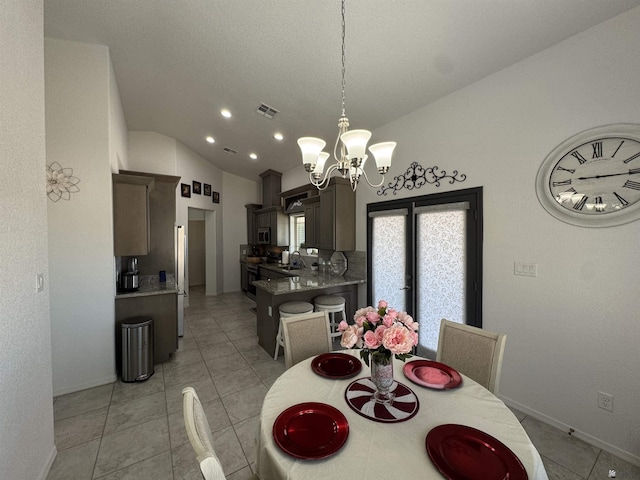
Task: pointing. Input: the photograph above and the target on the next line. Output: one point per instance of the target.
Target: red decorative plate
(465, 453)
(336, 365)
(432, 374)
(311, 430)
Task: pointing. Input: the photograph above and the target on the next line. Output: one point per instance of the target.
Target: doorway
(425, 257)
(201, 250)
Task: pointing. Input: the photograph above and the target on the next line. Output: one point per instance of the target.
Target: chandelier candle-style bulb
(356, 143)
(319, 169)
(382, 152)
(311, 148)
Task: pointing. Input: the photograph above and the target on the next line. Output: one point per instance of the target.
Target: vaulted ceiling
(178, 63)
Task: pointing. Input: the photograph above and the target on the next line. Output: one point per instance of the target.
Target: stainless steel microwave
(264, 236)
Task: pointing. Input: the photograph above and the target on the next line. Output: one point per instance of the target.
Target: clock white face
(593, 178)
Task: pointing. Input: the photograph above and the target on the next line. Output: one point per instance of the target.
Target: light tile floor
(125, 431)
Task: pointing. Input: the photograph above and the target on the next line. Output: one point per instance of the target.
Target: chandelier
(349, 150)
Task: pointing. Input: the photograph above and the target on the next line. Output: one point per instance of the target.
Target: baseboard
(590, 439)
(84, 386)
(47, 467)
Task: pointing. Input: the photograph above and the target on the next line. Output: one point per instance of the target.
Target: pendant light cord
(343, 62)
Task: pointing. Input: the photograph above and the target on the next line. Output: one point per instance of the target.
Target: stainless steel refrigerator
(181, 255)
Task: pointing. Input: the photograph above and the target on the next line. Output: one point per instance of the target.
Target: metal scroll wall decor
(60, 182)
(416, 176)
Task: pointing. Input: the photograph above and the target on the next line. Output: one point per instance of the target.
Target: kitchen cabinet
(163, 309)
(276, 220)
(271, 276)
(336, 229)
(131, 214)
(311, 221)
(252, 223)
(271, 181)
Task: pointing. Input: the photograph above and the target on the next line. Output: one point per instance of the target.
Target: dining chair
(197, 426)
(473, 351)
(305, 336)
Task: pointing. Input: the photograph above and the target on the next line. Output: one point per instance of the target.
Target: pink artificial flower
(380, 333)
(371, 340)
(415, 337)
(360, 320)
(363, 312)
(352, 336)
(398, 339)
(342, 326)
(382, 304)
(373, 318)
(387, 321)
(392, 312)
(408, 320)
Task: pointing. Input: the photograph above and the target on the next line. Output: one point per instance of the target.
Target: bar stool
(289, 309)
(331, 304)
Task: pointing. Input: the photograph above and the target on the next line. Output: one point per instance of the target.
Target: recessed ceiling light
(253, 156)
(210, 140)
(225, 113)
(278, 136)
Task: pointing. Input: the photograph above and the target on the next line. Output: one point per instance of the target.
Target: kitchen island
(299, 286)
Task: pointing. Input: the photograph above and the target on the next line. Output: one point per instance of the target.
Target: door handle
(406, 288)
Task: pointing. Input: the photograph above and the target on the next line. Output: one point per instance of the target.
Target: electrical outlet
(605, 401)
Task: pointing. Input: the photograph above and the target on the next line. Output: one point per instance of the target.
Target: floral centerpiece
(380, 332)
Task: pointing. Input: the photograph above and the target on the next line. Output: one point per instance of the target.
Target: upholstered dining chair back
(475, 352)
(305, 335)
(199, 432)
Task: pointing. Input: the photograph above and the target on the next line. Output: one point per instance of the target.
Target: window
(296, 232)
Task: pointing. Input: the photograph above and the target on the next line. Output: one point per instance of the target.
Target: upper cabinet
(252, 223)
(312, 217)
(337, 226)
(131, 214)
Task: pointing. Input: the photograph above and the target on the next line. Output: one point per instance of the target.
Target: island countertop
(306, 281)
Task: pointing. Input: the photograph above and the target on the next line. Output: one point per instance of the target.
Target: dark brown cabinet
(131, 214)
(276, 220)
(311, 221)
(252, 223)
(336, 229)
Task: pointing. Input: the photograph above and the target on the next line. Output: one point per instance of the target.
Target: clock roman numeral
(570, 170)
(581, 203)
(599, 204)
(563, 182)
(614, 153)
(580, 158)
(622, 201)
(597, 149)
(632, 185)
(632, 157)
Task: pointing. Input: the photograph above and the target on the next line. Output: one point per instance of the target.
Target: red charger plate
(311, 430)
(336, 365)
(432, 374)
(466, 453)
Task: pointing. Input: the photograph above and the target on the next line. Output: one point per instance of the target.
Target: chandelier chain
(343, 62)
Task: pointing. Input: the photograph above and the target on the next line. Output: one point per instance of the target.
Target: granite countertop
(150, 287)
(304, 280)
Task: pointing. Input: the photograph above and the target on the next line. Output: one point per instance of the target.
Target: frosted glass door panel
(389, 260)
(441, 267)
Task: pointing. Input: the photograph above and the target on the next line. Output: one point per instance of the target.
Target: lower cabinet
(163, 309)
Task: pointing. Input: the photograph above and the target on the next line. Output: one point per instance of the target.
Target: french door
(425, 257)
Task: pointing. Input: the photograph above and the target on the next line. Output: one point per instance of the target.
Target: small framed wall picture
(216, 197)
(207, 189)
(185, 189)
(197, 188)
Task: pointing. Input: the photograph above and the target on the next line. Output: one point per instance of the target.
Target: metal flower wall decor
(416, 176)
(60, 182)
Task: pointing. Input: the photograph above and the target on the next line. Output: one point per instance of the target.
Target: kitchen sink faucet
(296, 260)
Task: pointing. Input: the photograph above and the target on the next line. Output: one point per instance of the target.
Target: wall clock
(592, 179)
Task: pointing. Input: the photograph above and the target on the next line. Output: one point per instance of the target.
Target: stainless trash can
(137, 349)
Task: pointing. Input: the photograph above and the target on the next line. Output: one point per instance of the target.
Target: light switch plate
(525, 269)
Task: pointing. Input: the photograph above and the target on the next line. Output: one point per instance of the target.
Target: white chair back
(305, 335)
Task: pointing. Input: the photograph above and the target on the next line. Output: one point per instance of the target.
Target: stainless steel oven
(252, 275)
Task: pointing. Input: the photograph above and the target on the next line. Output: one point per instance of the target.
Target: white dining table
(384, 450)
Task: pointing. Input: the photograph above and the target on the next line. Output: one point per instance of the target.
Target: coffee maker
(129, 279)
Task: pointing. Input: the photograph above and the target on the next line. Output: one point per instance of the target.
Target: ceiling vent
(267, 111)
(230, 151)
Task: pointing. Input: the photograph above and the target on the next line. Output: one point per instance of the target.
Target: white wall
(26, 409)
(237, 192)
(573, 330)
(85, 133)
